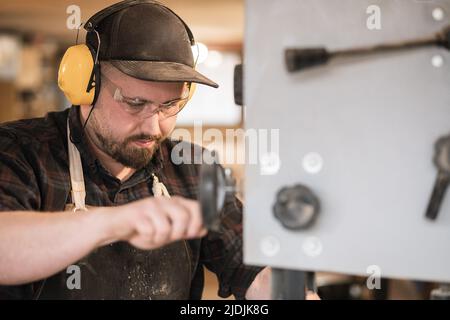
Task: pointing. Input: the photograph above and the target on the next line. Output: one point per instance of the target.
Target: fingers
(178, 216)
(163, 220)
(161, 225)
(194, 224)
(146, 229)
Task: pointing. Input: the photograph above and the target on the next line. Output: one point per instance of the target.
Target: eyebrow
(144, 100)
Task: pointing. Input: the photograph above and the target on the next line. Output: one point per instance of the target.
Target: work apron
(118, 270)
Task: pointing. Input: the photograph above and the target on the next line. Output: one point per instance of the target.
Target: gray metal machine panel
(373, 121)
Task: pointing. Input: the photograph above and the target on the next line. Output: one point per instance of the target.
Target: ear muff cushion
(75, 73)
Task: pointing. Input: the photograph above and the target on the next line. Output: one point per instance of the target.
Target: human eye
(172, 104)
(135, 104)
(169, 105)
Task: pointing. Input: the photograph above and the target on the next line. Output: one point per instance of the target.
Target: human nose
(151, 124)
(151, 109)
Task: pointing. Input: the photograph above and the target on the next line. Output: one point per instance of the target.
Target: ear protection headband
(79, 71)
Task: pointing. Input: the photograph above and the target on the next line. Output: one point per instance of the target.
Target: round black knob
(212, 191)
(296, 207)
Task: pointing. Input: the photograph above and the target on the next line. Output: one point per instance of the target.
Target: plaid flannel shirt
(34, 175)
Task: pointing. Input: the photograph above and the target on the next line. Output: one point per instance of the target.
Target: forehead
(151, 90)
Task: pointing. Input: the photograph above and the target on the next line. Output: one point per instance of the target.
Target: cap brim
(162, 71)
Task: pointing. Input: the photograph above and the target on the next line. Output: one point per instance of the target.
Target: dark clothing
(34, 175)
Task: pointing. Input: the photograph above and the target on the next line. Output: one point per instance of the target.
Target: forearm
(261, 286)
(36, 245)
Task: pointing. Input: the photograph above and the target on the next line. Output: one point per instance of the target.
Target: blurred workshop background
(34, 36)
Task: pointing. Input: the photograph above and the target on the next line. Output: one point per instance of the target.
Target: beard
(124, 151)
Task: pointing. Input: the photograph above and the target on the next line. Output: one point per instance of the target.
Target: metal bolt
(312, 163)
(270, 246)
(269, 163)
(437, 61)
(312, 247)
(438, 14)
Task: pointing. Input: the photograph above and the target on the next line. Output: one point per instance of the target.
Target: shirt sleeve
(18, 191)
(18, 186)
(221, 252)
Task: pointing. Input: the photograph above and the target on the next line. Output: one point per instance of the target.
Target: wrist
(106, 224)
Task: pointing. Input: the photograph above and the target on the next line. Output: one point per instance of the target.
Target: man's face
(130, 139)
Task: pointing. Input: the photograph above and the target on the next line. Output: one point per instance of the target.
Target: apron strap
(76, 175)
(159, 189)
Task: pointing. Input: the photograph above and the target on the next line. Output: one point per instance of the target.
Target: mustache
(144, 136)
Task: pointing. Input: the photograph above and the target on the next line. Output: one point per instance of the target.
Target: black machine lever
(301, 58)
(442, 162)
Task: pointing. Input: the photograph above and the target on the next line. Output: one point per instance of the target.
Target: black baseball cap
(146, 40)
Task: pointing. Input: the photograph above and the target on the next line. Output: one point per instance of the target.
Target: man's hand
(311, 295)
(261, 287)
(49, 242)
(154, 222)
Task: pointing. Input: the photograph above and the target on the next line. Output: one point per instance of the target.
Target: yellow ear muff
(74, 74)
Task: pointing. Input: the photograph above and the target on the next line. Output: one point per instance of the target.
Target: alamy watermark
(231, 146)
(374, 279)
(74, 279)
(73, 21)
(374, 20)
